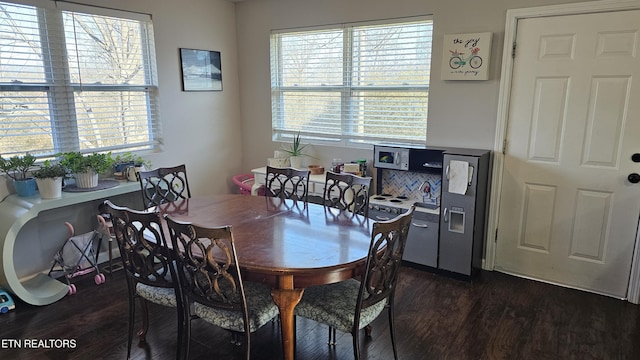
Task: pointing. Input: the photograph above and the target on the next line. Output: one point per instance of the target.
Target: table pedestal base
(286, 298)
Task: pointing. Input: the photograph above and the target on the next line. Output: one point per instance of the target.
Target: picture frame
(201, 70)
(466, 56)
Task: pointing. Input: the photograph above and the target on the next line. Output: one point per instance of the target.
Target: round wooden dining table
(287, 244)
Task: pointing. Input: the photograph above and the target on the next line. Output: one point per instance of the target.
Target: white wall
(201, 129)
(461, 113)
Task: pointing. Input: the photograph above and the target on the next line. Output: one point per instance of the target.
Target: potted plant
(295, 151)
(49, 179)
(128, 158)
(86, 168)
(17, 168)
(128, 164)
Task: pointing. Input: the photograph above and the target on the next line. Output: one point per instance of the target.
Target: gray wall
(461, 113)
(219, 134)
(201, 129)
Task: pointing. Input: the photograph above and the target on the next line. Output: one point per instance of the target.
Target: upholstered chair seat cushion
(157, 295)
(259, 302)
(334, 305)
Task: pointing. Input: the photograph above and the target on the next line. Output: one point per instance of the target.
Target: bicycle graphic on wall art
(458, 60)
(468, 56)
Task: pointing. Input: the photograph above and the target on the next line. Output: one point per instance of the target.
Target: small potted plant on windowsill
(86, 168)
(295, 151)
(128, 158)
(128, 164)
(17, 168)
(49, 179)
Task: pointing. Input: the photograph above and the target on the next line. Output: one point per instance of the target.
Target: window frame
(61, 90)
(279, 131)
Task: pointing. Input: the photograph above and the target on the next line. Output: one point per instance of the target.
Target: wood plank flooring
(497, 316)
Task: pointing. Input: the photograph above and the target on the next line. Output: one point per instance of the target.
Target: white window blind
(353, 83)
(74, 81)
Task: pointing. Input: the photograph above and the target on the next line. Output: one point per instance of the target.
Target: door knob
(634, 178)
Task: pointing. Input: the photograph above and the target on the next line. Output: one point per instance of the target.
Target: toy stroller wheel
(72, 289)
(97, 279)
(103, 278)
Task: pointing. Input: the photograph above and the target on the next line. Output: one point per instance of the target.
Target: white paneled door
(568, 211)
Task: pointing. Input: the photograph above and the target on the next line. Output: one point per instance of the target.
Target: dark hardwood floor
(495, 317)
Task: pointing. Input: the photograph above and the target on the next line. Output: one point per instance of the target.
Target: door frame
(511, 26)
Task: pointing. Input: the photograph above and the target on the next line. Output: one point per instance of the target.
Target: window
(74, 81)
(353, 84)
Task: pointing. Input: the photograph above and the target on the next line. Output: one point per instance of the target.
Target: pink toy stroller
(79, 255)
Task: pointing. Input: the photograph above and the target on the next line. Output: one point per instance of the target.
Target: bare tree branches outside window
(354, 83)
(75, 81)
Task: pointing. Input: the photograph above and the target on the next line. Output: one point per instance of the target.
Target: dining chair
(162, 185)
(347, 192)
(209, 274)
(148, 264)
(352, 305)
(287, 183)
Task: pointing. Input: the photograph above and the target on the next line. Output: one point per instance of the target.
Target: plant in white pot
(17, 168)
(127, 165)
(86, 168)
(49, 179)
(295, 151)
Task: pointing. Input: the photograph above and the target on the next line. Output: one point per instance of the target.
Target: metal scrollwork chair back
(347, 192)
(210, 278)
(148, 264)
(164, 185)
(287, 183)
(352, 305)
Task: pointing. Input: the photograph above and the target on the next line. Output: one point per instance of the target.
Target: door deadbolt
(635, 157)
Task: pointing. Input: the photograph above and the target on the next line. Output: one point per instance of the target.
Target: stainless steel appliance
(391, 158)
(406, 158)
(463, 202)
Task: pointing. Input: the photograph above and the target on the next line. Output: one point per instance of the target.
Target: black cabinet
(451, 241)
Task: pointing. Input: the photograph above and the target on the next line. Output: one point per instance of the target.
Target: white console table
(15, 212)
(316, 182)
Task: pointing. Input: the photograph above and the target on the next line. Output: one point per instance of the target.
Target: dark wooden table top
(288, 245)
(278, 235)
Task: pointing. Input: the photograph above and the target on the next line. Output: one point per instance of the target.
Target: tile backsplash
(408, 183)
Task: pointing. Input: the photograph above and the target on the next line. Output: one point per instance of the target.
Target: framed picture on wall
(466, 56)
(201, 70)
